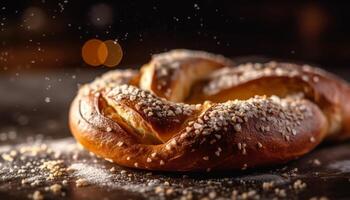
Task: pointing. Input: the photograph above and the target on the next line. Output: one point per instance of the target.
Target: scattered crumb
(158, 190)
(250, 194)
(64, 182)
(316, 162)
(81, 182)
(169, 191)
(280, 192)
(212, 195)
(37, 195)
(43, 167)
(299, 185)
(268, 185)
(112, 169)
(56, 188)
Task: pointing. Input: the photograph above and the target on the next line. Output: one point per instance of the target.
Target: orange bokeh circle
(108, 53)
(94, 52)
(115, 53)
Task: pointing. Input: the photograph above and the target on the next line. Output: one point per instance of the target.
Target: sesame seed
(218, 151)
(237, 127)
(56, 188)
(153, 154)
(244, 151)
(161, 162)
(81, 182)
(239, 145)
(168, 147)
(173, 142)
(197, 126)
(112, 169)
(312, 139)
(37, 195)
(286, 137)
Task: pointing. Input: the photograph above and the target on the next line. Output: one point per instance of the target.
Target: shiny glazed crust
(194, 111)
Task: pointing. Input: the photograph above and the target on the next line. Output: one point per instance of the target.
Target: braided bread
(194, 111)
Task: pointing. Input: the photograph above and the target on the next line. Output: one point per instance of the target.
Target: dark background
(42, 35)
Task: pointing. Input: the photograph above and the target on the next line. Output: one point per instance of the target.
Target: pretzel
(195, 111)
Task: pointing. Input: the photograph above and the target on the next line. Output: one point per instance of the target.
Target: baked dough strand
(195, 111)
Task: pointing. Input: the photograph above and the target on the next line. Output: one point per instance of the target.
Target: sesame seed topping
(153, 154)
(149, 104)
(312, 139)
(107, 81)
(228, 77)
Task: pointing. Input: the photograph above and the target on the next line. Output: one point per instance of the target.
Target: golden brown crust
(170, 75)
(136, 127)
(326, 90)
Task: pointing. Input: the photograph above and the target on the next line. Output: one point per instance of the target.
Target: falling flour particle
(47, 99)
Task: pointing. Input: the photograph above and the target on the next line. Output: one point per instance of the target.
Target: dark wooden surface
(33, 123)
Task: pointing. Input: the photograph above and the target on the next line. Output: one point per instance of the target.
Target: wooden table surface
(39, 158)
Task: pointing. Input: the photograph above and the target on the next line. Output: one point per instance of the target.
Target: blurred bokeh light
(94, 52)
(44, 35)
(34, 18)
(115, 53)
(101, 15)
(108, 53)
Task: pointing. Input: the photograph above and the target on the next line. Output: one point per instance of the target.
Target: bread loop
(194, 111)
